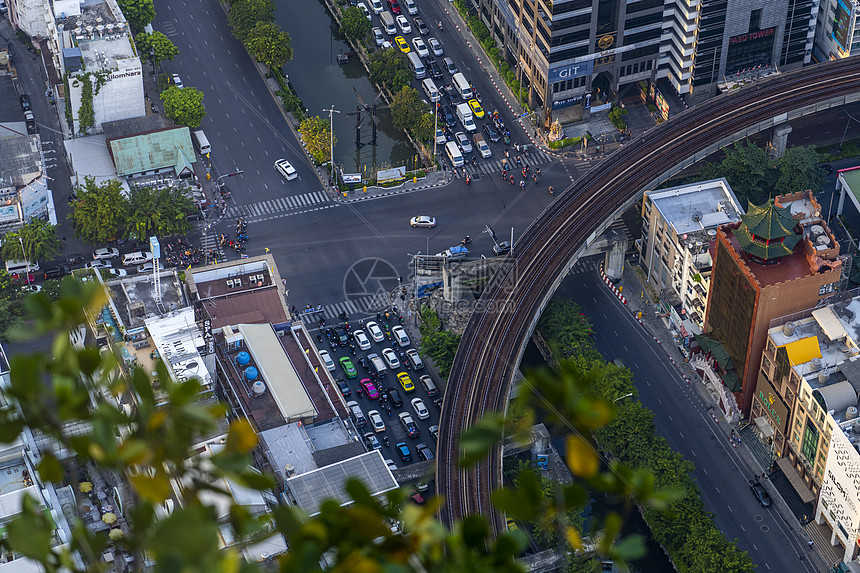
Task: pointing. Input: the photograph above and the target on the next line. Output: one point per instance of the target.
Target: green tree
(269, 45)
(244, 16)
(799, 171)
(155, 48)
(38, 238)
(184, 105)
(158, 212)
(100, 212)
(138, 13)
(391, 68)
(316, 135)
(354, 24)
(51, 287)
(12, 312)
(747, 168)
(407, 107)
(424, 129)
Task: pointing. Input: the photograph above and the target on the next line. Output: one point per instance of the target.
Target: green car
(348, 368)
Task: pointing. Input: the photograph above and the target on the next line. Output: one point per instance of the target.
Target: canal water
(322, 83)
(655, 561)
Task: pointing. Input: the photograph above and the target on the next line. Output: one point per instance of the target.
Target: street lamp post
(331, 111)
(415, 286)
(219, 184)
(26, 258)
(625, 396)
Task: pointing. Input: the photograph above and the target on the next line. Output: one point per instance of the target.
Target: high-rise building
(781, 258)
(837, 34)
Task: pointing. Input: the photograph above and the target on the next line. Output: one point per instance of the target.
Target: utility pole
(331, 111)
(436, 126)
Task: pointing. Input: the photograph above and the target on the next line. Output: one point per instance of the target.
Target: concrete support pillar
(780, 140)
(613, 264)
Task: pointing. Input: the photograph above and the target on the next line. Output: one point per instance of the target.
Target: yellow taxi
(402, 44)
(477, 110)
(406, 382)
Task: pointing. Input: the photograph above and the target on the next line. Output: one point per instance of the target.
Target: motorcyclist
(551, 190)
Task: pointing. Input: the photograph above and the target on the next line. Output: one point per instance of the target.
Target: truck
(457, 252)
(464, 114)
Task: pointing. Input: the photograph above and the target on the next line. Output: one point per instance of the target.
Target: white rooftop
(90, 157)
(178, 340)
(699, 206)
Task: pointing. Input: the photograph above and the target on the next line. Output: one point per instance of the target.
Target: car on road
(435, 46)
(369, 389)
(356, 414)
(400, 336)
(391, 358)
(286, 169)
(394, 397)
(434, 69)
(402, 44)
(463, 142)
(378, 37)
(118, 273)
(29, 287)
(422, 486)
(421, 26)
(176, 80)
(450, 118)
(414, 359)
(502, 248)
(477, 110)
(377, 6)
(58, 271)
(420, 409)
(371, 442)
(24, 100)
(361, 339)
(26, 278)
(403, 451)
(761, 494)
(405, 382)
(450, 66)
(423, 451)
(512, 525)
(434, 431)
(411, 7)
(343, 387)
(347, 367)
(375, 332)
(99, 264)
(423, 221)
(438, 403)
(440, 137)
(403, 24)
(327, 360)
(394, 6)
(145, 268)
(390, 463)
(420, 47)
(491, 133)
(104, 254)
(363, 7)
(341, 335)
(409, 426)
(376, 421)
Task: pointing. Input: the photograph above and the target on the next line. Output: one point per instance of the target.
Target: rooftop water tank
(258, 388)
(788, 328)
(857, 427)
(243, 358)
(250, 373)
(851, 413)
(823, 240)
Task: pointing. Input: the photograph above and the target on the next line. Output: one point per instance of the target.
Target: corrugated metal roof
(803, 350)
(150, 151)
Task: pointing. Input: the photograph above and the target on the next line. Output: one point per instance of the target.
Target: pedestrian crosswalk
(354, 308)
(586, 265)
(531, 159)
(303, 202)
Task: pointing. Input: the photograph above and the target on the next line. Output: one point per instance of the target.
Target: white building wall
(121, 97)
(839, 500)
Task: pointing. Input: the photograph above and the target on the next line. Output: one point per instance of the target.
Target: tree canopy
(407, 107)
(245, 15)
(155, 48)
(391, 68)
(158, 212)
(184, 105)
(138, 13)
(269, 44)
(316, 135)
(37, 238)
(100, 212)
(354, 24)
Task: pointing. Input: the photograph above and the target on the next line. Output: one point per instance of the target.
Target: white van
(388, 23)
(454, 154)
(202, 143)
(136, 258)
(14, 267)
(430, 90)
(417, 65)
(463, 87)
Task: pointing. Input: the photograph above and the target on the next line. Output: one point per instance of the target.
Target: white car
(286, 169)
(411, 7)
(391, 358)
(420, 47)
(177, 81)
(420, 409)
(118, 272)
(363, 7)
(403, 24)
(440, 137)
(99, 264)
(423, 221)
(376, 420)
(378, 37)
(361, 339)
(375, 332)
(435, 46)
(400, 336)
(326, 358)
(104, 254)
(145, 268)
(390, 463)
(377, 6)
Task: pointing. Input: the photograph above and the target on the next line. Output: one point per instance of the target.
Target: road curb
(615, 291)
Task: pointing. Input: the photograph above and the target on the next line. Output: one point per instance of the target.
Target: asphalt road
(682, 418)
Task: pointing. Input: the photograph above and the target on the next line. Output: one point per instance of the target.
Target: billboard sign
(566, 102)
(391, 174)
(570, 71)
(772, 403)
(840, 490)
(842, 24)
(34, 198)
(9, 214)
(351, 177)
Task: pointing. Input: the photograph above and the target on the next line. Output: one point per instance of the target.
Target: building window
(810, 443)
(755, 20)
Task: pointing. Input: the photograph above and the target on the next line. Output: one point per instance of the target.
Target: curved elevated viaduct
(496, 335)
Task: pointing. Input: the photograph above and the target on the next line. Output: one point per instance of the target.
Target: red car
(25, 278)
(370, 389)
(395, 6)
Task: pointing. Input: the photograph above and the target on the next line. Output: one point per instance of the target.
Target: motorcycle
(468, 180)
(76, 260)
(319, 337)
(466, 240)
(385, 440)
(441, 29)
(343, 315)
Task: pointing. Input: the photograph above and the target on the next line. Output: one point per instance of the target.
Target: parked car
(761, 494)
(176, 80)
(24, 99)
(391, 358)
(145, 268)
(58, 271)
(434, 431)
(390, 463)
(327, 360)
(99, 264)
(375, 332)
(118, 273)
(106, 253)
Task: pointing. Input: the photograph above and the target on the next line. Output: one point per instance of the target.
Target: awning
(795, 481)
(829, 323)
(802, 351)
(764, 427)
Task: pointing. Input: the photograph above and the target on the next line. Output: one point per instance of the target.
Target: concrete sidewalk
(432, 180)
